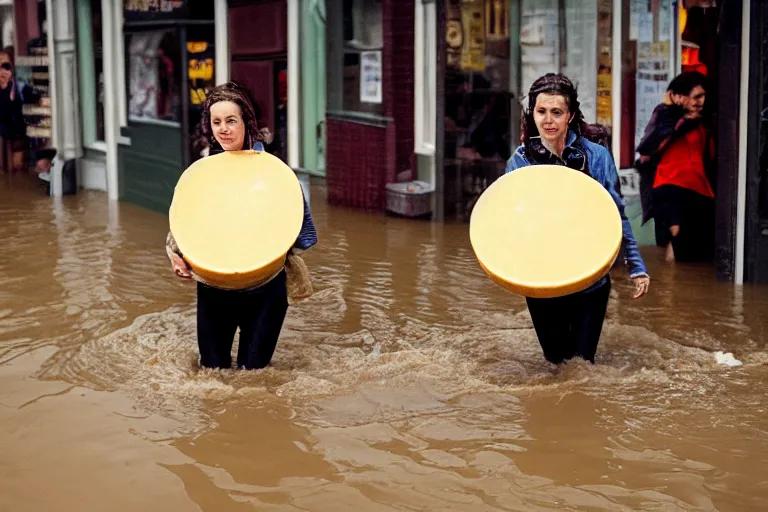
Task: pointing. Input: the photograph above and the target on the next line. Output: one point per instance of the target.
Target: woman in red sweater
(676, 157)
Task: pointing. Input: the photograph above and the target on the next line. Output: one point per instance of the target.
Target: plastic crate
(410, 199)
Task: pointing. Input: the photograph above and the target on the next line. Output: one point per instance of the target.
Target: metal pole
(110, 33)
(221, 42)
(741, 187)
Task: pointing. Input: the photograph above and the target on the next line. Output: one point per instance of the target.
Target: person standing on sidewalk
(553, 132)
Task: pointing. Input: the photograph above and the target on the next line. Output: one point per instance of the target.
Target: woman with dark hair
(265, 140)
(230, 124)
(676, 171)
(12, 126)
(553, 132)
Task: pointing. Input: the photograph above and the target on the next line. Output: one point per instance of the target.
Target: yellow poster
(604, 107)
(473, 21)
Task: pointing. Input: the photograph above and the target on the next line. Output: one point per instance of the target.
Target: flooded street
(408, 382)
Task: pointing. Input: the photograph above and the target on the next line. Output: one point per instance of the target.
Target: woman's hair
(686, 82)
(240, 96)
(560, 85)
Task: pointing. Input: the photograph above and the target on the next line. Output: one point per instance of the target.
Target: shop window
(91, 68)
(154, 76)
(355, 58)
(649, 62)
(477, 139)
(31, 71)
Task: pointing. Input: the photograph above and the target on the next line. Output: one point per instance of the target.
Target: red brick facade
(361, 159)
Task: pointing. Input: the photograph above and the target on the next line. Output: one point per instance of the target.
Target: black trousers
(570, 326)
(258, 313)
(694, 213)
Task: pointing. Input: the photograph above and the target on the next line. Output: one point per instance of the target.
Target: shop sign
(148, 10)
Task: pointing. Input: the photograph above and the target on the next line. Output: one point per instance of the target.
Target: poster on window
(653, 75)
(370, 77)
(200, 71)
(473, 50)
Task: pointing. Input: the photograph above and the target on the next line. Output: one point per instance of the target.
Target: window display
(154, 80)
(32, 76)
(477, 100)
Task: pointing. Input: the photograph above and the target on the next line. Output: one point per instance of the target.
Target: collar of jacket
(574, 155)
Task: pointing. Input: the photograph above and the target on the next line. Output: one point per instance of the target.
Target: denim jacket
(600, 166)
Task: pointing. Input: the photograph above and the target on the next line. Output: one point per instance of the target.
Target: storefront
(37, 38)
(258, 48)
(169, 67)
(369, 104)
(493, 50)
(27, 46)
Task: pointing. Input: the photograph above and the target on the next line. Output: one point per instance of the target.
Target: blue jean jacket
(601, 168)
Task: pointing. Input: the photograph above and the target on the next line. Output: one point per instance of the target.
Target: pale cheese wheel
(235, 216)
(546, 231)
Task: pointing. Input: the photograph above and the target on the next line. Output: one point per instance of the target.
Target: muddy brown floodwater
(408, 382)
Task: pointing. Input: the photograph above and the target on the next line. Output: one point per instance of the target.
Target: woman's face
(6, 69)
(551, 116)
(693, 102)
(227, 125)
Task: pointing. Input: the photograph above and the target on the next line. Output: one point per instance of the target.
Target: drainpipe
(56, 178)
(111, 122)
(741, 186)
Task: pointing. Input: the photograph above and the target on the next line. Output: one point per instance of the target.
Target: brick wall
(358, 169)
(361, 159)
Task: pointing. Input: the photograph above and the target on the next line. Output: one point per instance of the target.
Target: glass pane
(362, 57)
(154, 81)
(561, 36)
(648, 43)
(477, 100)
(31, 72)
(98, 66)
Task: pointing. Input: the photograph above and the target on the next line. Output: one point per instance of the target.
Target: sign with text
(370, 77)
(147, 10)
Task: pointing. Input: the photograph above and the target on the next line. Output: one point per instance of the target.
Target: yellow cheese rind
(235, 216)
(546, 231)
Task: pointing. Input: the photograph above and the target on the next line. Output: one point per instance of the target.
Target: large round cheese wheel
(235, 216)
(546, 231)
